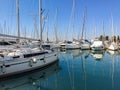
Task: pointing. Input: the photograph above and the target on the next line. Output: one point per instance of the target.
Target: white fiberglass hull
(113, 47)
(62, 46)
(97, 45)
(22, 81)
(72, 46)
(16, 66)
(97, 48)
(85, 46)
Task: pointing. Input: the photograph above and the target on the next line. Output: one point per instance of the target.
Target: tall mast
(103, 29)
(103, 38)
(40, 12)
(73, 18)
(48, 29)
(112, 26)
(18, 18)
(55, 27)
(83, 28)
(35, 27)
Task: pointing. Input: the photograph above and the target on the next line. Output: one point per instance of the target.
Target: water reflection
(80, 70)
(84, 69)
(85, 73)
(86, 53)
(112, 71)
(112, 52)
(74, 53)
(31, 80)
(98, 55)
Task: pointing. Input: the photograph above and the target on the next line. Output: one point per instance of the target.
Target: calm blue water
(76, 70)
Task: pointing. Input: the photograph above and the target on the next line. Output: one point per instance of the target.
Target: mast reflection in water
(90, 70)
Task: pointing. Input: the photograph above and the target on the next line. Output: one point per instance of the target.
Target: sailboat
(97, 45)
(113, 45)
(71, 45)
(85, 44)
(30, 80)
(51, 44)
(24, 59)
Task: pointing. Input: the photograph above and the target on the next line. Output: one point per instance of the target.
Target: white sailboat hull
(97, 45)
(62, 46)
(72, 46)
(22, 81)
(16, 66)
(113, 47)
(85, 46)
(97, 48)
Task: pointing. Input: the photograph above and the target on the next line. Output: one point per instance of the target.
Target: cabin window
(34, 54)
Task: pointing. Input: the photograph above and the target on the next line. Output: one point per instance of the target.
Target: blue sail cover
(86, 41)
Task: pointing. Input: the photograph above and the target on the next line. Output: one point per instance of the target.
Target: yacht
(97, 45)
(50, 45)
(72, 45)
(30, 79)
(6, 43)
(85, 45)
(113, 46)
(69, 45)
(25, 58)
(62, 46)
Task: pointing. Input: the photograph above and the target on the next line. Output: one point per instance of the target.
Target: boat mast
(103, 38)
(47, 37)
(83, 28)
(103, 29)
(73, 18)
(18, 19)
(40, 19)
(35, 27)
(55, 26)
(112, 31)
(48, 28)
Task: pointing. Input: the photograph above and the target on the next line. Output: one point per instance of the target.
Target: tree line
(108, 38)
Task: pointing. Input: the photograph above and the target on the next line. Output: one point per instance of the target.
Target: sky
(60, 13)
